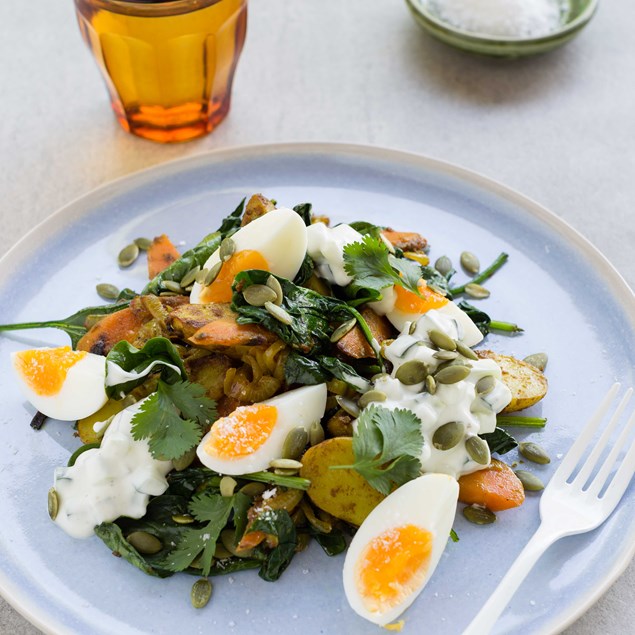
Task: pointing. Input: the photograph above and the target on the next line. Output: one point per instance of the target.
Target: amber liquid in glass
(169, 75)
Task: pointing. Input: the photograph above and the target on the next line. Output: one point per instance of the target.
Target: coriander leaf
(241, 506)
(209, 508)
(158, 420)
(499, 441)
(373, 267)
(387, 445)
(138, 363)
(276, 523)
(190, 400)
(364, 228)
(454, 536)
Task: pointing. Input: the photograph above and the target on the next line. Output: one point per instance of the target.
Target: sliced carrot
(227, 332)
(354, 344)
(495, 487)
(161, 254)
(407, 241)
(122, 325)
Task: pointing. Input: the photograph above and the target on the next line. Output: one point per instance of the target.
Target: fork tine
(573, 455)
(620, 481)
(602, 476)
(590, 463)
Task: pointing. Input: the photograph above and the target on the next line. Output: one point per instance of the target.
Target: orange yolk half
(44, 371)
(409, 302)
(242, 432)
(221, 289)
(393, 565)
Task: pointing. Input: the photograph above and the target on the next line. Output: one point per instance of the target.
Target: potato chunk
(527, 384)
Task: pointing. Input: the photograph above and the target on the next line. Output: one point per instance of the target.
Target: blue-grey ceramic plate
(570, 301)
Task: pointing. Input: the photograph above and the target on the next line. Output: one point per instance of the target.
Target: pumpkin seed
(370, 396)
(539, 360)
(53, 503)
(279, 313)
(477, 291)
(445, 356)
(258, 294)
(443, 265)
(411, 373)
(220, 553)
(107, 291)
(227, 249)
(533, 452)
(441, 340)
(142, 243)
(182, 519)
(227, 486)
(91, 320)
(485, 385)
(478, 450)
(185, 460)
(431, 385)
(201, 593)
(448, 435)
(227, 540)
(128, 255)
(212, 274)
(412, 328)
(337, 386)
(144, 542)
(190, 277)
(343, 329)
(253, 489)
(316, 433)
(274, 283)
(171, 285)
(531, 483)
(470, 262)
(294, 443)
(466, 351)
(285, 464)
(282, 471)
(479, 515)
(347, 405)
(451, 374)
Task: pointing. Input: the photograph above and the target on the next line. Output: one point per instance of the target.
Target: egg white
(279, 236)
(428, 502)
(299, 407)
(82, 393)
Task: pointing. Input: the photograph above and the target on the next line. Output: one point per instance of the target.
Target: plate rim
(84, 203)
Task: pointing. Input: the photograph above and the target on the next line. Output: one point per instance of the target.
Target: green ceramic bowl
(581, 11)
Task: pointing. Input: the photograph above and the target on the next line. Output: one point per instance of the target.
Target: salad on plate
(286, 379)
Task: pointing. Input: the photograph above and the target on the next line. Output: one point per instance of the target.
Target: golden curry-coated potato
(528, 385)
(344, 494)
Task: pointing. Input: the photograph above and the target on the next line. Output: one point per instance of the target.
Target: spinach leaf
(299, 369)
(434, 279)
(197, 255)
(311, 314)
(480, 318)
(499, 441)
(305, 272)
(276, 523)
(304, 210)
(332, 543)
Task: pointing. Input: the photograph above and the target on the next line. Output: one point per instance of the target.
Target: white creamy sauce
(116, 479)
(116, 375)
(451, 402)
(326, 247)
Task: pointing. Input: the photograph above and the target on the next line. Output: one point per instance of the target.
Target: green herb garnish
(387, 445)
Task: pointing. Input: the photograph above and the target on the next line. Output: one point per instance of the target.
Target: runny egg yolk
(393, 565)
(409, 302)
(221, 289)
(44, 370)
(242, 432)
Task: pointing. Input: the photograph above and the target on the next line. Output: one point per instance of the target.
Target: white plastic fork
(570, 508)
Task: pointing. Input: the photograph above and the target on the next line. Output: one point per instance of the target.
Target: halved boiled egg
(61, 383)
(275, 242)
(398, 546)
(252, 436)
(400, 305)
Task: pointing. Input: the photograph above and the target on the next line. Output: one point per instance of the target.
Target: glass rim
(149, 7)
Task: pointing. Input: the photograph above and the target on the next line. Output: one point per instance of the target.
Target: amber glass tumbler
(168, 65)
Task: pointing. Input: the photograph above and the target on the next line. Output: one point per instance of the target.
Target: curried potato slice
(527, 384)
(257, 206)
(344, 494)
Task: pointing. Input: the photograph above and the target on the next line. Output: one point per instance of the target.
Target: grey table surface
(559, 128)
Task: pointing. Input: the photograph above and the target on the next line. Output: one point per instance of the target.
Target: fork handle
(500, 598)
